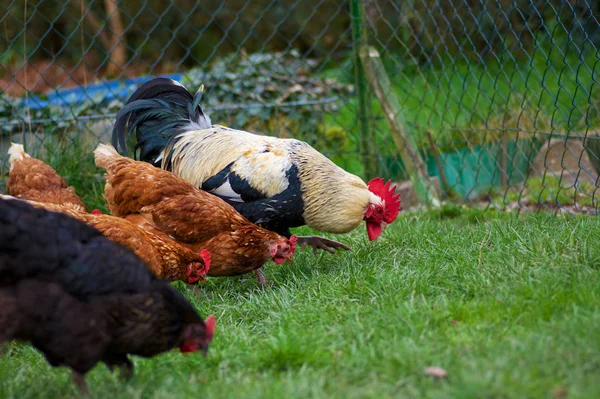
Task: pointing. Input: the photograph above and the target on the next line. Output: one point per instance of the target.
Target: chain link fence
(482, 101)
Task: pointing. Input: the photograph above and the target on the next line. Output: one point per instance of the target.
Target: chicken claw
(126, 370)
(260, 278)
(194, 288)
(321, 243)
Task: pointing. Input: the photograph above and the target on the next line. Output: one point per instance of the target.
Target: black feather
(278, 213)
(157, 112)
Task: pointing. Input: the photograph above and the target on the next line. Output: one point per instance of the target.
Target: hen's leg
(321, 243)
(79, 380)
(260, 277)
(126, 370)
(192, 287)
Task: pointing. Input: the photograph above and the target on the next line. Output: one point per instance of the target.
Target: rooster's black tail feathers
(157, 112)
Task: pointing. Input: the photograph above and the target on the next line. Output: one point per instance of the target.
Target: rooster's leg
(260, 277)
(321, 243)
(79, 380)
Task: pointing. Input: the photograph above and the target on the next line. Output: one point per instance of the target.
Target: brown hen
(167, 205)
(32, 179)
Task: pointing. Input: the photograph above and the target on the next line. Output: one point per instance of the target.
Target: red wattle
(374, 230)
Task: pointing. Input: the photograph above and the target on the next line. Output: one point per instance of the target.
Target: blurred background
(493, 102)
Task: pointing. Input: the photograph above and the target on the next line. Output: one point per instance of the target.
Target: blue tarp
(103, 91)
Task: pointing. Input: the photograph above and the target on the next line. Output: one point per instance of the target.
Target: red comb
(392, 202)
(205, 255)
(210, 324)
(96, 212)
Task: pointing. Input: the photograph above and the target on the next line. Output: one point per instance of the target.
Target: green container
(473, 170)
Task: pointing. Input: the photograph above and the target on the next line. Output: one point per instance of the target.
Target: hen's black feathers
(54, 247)
(79, 297)
(42, 309)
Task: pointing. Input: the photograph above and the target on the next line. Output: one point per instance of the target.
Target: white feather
(225, 190)
(16, 152)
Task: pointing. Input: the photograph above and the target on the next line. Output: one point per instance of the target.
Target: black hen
(81, 299)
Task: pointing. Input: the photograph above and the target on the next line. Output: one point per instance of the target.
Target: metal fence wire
(486, 101)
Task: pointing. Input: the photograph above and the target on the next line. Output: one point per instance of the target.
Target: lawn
(508, 305)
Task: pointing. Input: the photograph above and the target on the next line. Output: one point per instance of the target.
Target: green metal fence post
(359, 41)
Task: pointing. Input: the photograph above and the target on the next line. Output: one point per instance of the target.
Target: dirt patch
(42, 76)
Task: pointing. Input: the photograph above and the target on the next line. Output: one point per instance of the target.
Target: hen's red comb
(96, 212)
(392, 201)
(205, 255)
(210, 324)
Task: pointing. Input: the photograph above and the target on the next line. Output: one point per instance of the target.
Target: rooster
(81, 299)
(275, 183)
(32, 180)
(168, 206)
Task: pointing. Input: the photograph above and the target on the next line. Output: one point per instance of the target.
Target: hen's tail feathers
(157, 112)
(104, 154)
(16, 152)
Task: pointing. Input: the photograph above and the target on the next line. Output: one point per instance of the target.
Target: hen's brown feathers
(160, 202)
(240, 251)
(32, 179)
(175, 206)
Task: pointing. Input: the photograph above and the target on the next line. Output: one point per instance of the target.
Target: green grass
(549, 190)
(508, 306)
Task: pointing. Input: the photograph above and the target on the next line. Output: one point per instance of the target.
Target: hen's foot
(194, 288)
(260, 278)
(126, 370)
(321, 243)
(79, 380)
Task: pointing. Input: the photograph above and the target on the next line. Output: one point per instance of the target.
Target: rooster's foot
(321, 243)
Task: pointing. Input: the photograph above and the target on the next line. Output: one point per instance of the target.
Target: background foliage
(485, 86)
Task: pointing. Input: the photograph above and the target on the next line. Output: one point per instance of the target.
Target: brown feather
(32, 179)
(166, 205)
